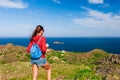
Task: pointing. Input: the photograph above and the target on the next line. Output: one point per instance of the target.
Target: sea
(73, 44)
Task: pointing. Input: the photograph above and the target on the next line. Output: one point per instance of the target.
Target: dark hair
(37, 30)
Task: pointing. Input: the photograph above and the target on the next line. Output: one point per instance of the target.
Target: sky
(60, 18)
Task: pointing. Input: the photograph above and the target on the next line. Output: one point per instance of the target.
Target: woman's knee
(47, 66)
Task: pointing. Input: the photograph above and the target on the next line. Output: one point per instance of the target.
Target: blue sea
(111, 45)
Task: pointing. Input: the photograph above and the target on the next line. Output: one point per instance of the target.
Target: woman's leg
(34, 71)
(48, 68)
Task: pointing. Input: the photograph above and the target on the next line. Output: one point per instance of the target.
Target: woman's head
(38, 30)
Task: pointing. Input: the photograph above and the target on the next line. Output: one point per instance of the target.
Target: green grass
(22, 71)
(15, 65)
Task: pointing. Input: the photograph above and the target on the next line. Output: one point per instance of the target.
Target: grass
(15, 65)
(22, 71)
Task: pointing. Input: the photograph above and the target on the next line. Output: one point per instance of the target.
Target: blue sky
(60, 18)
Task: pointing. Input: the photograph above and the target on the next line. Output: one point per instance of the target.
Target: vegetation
(94, 65)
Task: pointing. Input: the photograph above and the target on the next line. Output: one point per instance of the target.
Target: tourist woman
(37, 34)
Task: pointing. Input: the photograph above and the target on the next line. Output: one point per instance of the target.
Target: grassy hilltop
(93, 65)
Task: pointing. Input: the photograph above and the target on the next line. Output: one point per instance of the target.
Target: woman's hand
(47, 45)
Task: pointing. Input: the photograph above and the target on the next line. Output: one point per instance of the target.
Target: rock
(109, 77)
(54, 58)
(9, 45)
(49, 51)
(115, 59)
(116, 77)
(108, 66)
(63, 51)
(62, 55)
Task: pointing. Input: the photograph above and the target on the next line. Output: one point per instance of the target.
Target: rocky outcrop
(115, 59)
(109, 67)
(11, 53)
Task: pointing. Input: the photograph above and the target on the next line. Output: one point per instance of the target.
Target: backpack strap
(39, 40)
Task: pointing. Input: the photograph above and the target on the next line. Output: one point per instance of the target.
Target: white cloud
(98, 19)
(12, 4)
(96, 1)
(57, 1)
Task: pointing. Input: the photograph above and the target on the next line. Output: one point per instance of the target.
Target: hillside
(93, 65)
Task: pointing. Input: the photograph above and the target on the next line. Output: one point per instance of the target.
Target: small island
(57, 42)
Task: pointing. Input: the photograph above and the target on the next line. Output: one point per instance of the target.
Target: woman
(38, 32)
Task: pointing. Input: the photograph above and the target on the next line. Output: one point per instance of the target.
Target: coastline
(79, 44)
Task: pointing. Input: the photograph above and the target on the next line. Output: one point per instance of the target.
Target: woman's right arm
(43, 47)
(29, 46)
